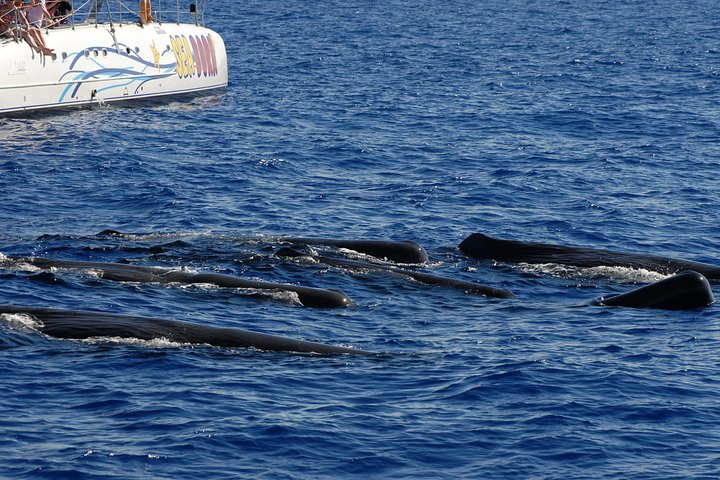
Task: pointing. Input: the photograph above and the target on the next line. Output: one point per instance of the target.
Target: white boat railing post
(112, 27)
(72, 18)
(92, 17)
(16, 36)
(198, 13)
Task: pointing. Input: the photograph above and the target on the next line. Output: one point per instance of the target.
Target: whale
(684, 291)
(71, 324)
(404, 251)
(398, 251)
(421, 277)
(308, 296)
(480, 246)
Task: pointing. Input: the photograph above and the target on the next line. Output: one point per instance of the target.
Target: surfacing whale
(405, 251)
(70, 324)
(481, 246)
(308, 296)
(684, 291)
(421, 277)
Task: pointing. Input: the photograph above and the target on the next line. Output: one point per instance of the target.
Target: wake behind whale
(482, 246)
(309, 296)
(421, 277)
(71, 324)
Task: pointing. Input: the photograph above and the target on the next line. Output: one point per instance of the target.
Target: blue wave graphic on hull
(137, 75)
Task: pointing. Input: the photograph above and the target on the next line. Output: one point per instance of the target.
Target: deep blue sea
(591, 123)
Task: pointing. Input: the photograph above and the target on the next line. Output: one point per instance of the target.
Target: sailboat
(97, 54)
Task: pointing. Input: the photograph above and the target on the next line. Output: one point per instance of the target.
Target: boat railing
(160, 11)
(101, 12)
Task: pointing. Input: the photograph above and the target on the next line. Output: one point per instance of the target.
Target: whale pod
(683, 291)
(481, 246)
(308, 296)
(426, 278)
(70, 324)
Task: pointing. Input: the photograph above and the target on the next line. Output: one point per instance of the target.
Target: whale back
(482, 246)
(686, 290)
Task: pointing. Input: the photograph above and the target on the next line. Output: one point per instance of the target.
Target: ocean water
(590, 123)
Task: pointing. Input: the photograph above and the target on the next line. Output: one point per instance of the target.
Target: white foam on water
(184, 269)
(281, 295)
(18, 265)
(159, 235)
(92, 272)
(285, 296)
(307, 260)
(22, 321)
(354, 255)
(194, 286)
(154, 343)
(616, 274)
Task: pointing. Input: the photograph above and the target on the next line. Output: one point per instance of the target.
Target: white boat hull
(100, 63)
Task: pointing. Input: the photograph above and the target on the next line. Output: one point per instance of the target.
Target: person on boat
(60, 10)
(7, 15)
(10, 24)
(33, 20)
(14, 24)
(36, 13)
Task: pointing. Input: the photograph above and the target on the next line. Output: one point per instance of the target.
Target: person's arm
(50, 20)
(21, 15)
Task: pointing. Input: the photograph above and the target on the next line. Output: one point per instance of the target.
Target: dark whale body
(69, 324)
(686, 290)
(405, 251)
(422, 277)
(309, 296)
(482, 246)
